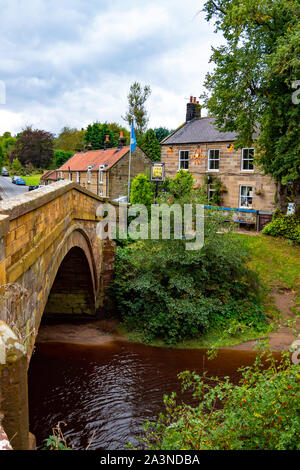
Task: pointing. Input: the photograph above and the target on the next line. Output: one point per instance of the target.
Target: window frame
(180, 160)
(88, 176)
(77, 176)
(247, 159)
(101, 174)
(214, 159)
(240, 196)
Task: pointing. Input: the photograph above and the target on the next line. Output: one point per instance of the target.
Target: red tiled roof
(81, 161)
(49, 175)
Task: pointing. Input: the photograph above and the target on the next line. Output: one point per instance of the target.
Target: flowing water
(109, 390)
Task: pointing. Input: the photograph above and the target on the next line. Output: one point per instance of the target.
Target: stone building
(105, 172)
(198, 147)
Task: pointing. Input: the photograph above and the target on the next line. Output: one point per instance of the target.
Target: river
(107, 391)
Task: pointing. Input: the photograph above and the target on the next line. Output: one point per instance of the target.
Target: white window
(78, 176)
(247, 159)
(101, 168)
(183, 160)
(89, 174)
(61, 175)
(70, 176)
(213, 159)
(100, 192)
(246, 193)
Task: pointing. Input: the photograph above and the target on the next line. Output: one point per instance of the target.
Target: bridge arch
(43, 235)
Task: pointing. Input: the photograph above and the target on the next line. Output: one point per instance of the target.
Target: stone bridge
(51, 263)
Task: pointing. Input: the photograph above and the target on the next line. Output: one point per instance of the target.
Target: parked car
(4, 172)
(14, 179)
(32, 187)
(20, 182)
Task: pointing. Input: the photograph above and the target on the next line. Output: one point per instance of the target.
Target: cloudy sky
(71, 62)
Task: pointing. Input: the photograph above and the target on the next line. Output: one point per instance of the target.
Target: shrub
(287, 226)
(181, 185)
(262, 411)
(165, 291)
(141, 191)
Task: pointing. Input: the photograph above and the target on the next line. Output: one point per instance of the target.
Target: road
(8, 189)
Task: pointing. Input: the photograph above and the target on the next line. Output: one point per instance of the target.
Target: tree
(70, 139)
(34, 147)
(253, 83)
(96, 135)
(60, 157)
(16, 167)
(161, 133)
(150, 145)
(182, 184)
(141, 191)
(136, 107)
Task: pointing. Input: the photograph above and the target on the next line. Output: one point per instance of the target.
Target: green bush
(262, 412)
(141, 191)
(287, 226)
(181, 185)
(165, 291)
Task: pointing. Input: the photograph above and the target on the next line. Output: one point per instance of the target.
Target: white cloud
(66, 63)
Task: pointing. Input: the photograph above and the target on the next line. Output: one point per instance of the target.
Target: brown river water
(109, 390)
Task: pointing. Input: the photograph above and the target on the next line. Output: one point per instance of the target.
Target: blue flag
(132, 139)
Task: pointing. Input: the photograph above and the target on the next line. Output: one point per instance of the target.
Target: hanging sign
(157, 171)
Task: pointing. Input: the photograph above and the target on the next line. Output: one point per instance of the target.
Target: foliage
(57, 441)
(262, 411)
(162, 132)
(254, 77)
(165, 291)
(70, 140)
(141, 191)
(96, 135)
(182, 184)
(61, 156)
(218, 186)
(286, 226)
(150, 145)
(16, 168)
(34, 147)
(7, 143)
(32, 180)
(137, 98)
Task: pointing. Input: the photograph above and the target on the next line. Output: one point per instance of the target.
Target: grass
(32, 180)
(277, 262)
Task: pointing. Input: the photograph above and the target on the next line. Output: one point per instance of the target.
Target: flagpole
(129, 169)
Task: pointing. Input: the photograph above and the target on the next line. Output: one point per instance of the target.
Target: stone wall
(229, 173)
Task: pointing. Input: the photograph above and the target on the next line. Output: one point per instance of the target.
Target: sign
(290, 208)
(158, 172)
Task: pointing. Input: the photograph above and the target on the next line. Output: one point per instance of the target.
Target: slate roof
(199, 131)
(81, 161)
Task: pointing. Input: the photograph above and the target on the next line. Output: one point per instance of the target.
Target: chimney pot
(106, 143)
(122, 140)
(191, 99)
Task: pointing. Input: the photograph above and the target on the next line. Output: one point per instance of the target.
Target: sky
(71, 62)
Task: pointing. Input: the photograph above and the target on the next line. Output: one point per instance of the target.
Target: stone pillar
(14, 389)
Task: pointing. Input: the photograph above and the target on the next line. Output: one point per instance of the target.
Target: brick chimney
(121, 141)
(193, 109)
(107, 142)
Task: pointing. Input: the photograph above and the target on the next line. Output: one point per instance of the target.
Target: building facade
(105, 172)
(198, 147)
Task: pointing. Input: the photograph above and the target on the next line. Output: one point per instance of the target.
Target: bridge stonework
(51, 262)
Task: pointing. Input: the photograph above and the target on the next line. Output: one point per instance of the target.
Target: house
(49, 176)
(105, 172)
(200, 148)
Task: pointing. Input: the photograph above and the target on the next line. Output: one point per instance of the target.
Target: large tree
(161, 133)
(70, 139)
(34, 147)
(96, 133)
(252, 86)
(150, 145)
(137, 98)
